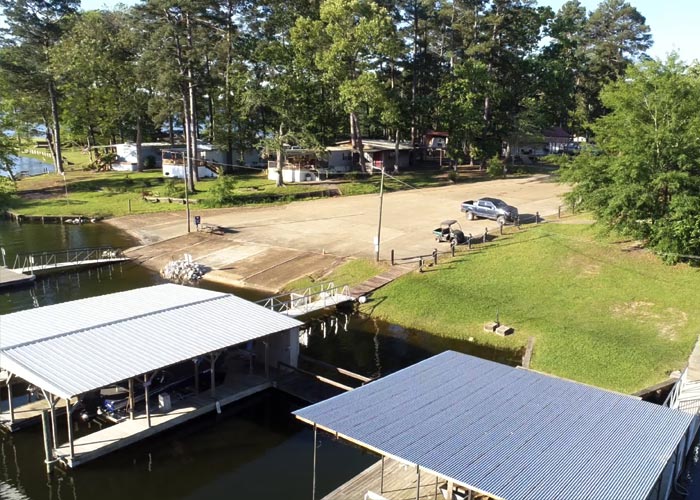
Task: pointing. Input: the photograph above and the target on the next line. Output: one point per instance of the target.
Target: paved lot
(268, 246)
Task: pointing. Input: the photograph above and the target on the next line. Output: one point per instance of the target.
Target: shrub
(7, 191)
(496, 167)
(221, 192)
(174, 189)
(453, 176)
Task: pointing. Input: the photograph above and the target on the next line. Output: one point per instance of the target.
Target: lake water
(254, 449)
(29, 166)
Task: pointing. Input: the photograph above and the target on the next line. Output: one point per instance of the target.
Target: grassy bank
(350, 273)
(602, 312)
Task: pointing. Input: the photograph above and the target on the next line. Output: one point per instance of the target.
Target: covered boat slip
(142, 426)
(491, 431)
(76, 348)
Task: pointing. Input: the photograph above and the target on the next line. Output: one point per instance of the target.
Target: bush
(174, 189)
(221, 192)
(7, 191)
(453, 176)
(496, 167)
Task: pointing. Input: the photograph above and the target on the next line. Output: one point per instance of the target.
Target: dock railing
(672, 398)
(320, 295)
(64, 258)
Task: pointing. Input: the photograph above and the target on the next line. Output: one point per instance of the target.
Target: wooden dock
(127, 432)
(10, 277)
(400, 482)
(28, 414)
(380, 280)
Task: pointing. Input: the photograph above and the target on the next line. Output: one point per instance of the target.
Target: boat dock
(390, 480)
(142, 426)
(10, 277)
(67, 260)
(27, 414)
(300, 302)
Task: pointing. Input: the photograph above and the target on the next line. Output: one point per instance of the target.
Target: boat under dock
(127, 432)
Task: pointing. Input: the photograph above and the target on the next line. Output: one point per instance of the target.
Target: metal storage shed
(511, 433)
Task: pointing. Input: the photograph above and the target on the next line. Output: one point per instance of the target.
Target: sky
(674, 23)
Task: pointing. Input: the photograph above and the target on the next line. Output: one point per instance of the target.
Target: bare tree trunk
(358, 144)
(139, 140)
(414, 82)
(58, 158)
(280, 157)
(171, 133)
(396, 152)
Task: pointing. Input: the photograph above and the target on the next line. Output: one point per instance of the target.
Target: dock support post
(196, 375)
(52, 409)
(450, 488)
(418, 482)
(146, 383)
(212, 363)
(45, 424)
(69, 421)
(10, 405)
(313, 477)
(131, 398)
(267, 359)
(381, 483)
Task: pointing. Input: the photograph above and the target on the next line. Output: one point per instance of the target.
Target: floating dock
(10, 277)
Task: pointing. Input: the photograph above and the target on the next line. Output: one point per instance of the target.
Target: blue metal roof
(511, 433)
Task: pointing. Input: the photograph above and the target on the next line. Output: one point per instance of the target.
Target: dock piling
(47, 440)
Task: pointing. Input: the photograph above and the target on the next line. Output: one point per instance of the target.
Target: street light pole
(379, 225)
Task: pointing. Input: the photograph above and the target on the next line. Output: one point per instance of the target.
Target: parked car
(490, 208)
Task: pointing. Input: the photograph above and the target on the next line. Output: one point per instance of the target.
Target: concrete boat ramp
(10, 278)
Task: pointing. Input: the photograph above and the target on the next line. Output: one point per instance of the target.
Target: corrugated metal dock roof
(511, 433)
(78, 346)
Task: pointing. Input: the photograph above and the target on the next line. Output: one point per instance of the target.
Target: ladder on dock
(67, 260)
(313, 298)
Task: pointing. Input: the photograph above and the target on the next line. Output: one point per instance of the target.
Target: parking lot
(260, 245)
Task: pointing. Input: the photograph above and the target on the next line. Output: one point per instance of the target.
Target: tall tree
(347, 40)
(644, 178)
(615, 36)
(33, 27)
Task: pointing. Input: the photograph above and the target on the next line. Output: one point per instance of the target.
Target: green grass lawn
(601, 313)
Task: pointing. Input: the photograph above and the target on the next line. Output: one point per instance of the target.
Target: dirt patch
(584, 266)
(667, 321)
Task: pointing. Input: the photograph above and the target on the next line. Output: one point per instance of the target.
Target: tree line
(236, 73)
(311, 72)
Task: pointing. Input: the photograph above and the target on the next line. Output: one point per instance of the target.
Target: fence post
(559, 212)
(420, 264)
(435, 254)
(517, 222)
(469, 241)
(537, 217)
(453, 245)
(392, 256)
(500, 227)
(486, 234)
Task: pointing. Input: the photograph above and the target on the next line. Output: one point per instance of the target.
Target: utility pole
(379, 225)
(187, 199)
